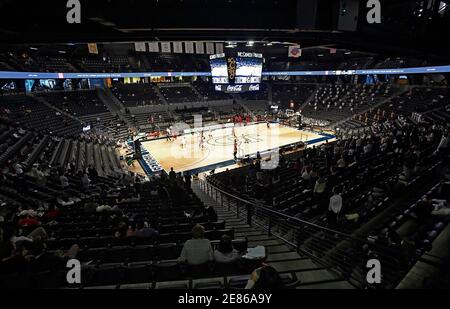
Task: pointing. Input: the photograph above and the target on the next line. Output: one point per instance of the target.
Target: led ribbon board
(402, 71)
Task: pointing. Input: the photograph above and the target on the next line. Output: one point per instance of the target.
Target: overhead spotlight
(250, 43)
(33, 48)
(347, 53)
(319, 55)
(61, 51)
(269, 44)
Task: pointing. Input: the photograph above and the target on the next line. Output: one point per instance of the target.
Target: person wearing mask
(198, 250)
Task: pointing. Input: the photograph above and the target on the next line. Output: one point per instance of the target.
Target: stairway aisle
(283, 258)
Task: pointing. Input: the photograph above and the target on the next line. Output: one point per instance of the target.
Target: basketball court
(218, 145)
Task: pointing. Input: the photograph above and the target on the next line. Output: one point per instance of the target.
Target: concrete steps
(283, 258)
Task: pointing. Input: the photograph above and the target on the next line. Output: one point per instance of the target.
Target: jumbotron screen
(248, 70)
(219, 71)
(236, 72)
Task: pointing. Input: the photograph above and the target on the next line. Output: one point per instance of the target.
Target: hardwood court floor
(218, 145)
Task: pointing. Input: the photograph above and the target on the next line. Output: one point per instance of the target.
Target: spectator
(341, 163)
(441, 208)
(64, 181)
(18, 169)
(197, 251)
(93, 174)
(38, 175)
(51, 214)
(144, 231)
(265, 277)
(335, 206)
(225, 252)
(210, 214)
(320, 190)
(172, 175)
(27, 220)
(85, 181)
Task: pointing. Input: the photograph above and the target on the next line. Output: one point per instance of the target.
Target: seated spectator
(38, 175)
(225, 252)
(11, 258)
(64, 181)
(265, 277)
(441, 207)
(122, 230)
(103, 208)
(27, 220)
(90, 206)
(368, 147)
(38, 234)
(40, 260)
(18, 169)
(85, 181)
(320, 190)
(341, 163)
(51, 214)
(197, 250)
(210, 214)
(144, 231)
(64, 201)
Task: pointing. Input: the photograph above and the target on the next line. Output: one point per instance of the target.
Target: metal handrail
(325, 245)
(266, 208)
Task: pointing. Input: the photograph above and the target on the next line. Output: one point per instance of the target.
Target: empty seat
(167, 251)
(139, 273)
(167, 270)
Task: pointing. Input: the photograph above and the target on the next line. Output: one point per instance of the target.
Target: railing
(342, 253)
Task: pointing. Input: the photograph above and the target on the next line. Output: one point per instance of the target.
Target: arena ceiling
(402, 31)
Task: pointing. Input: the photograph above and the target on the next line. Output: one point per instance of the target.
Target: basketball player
(183, 141)
(168, 132)
(245, 139)
(235, 149)
(268, 124)
(201, 142)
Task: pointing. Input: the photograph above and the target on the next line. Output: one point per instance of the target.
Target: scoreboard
(236, 72)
